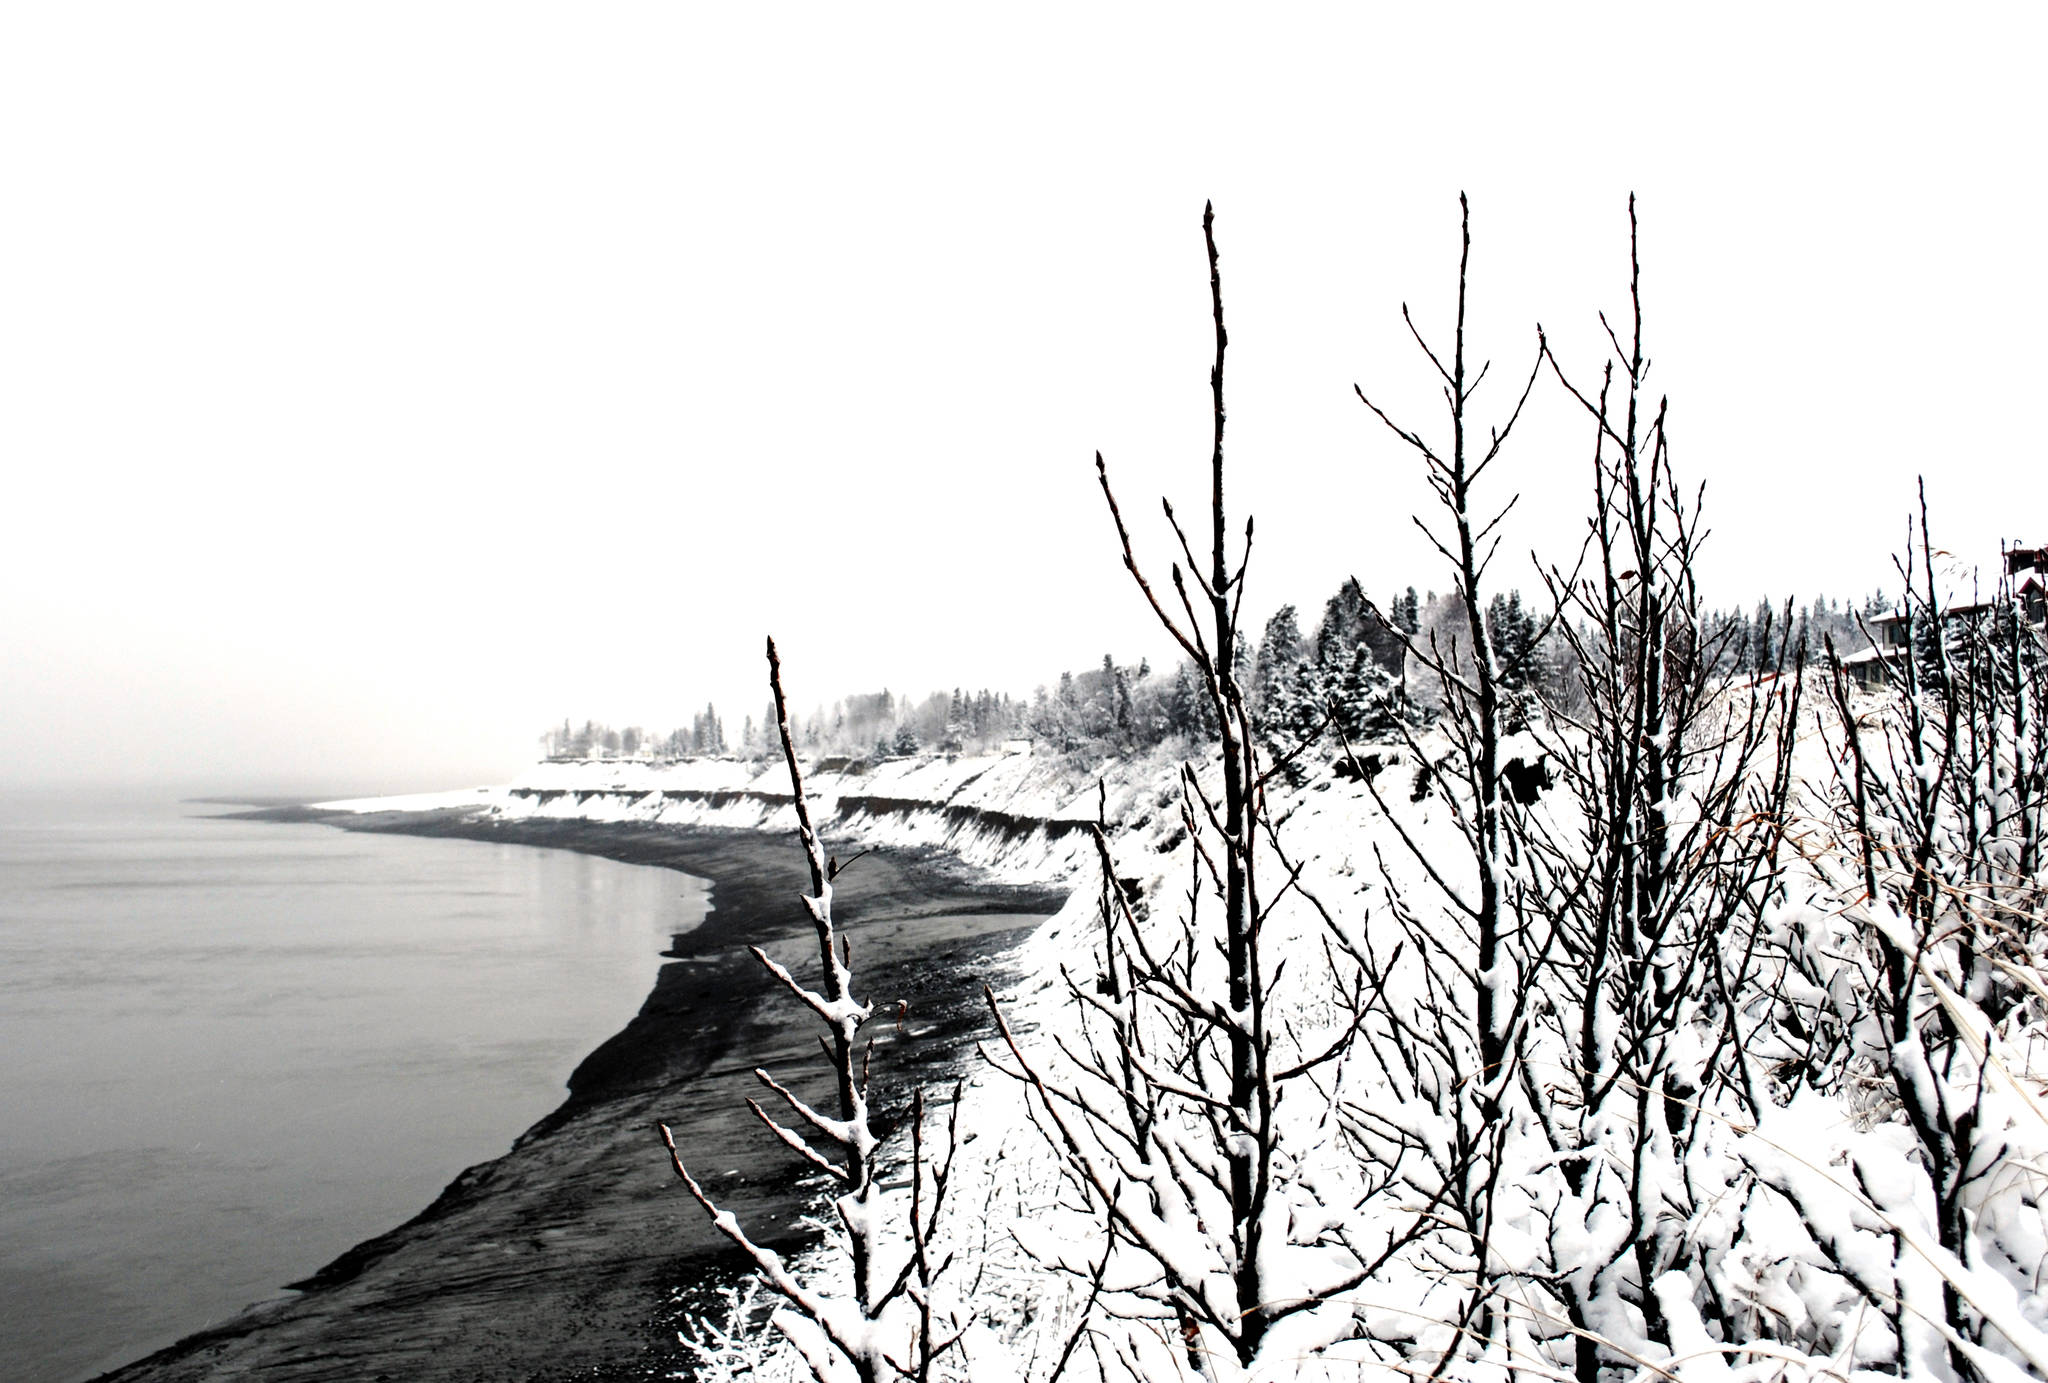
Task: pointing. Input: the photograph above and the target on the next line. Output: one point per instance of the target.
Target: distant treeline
(1352, 675)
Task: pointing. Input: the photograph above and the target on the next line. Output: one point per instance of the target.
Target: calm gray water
(230, 1050)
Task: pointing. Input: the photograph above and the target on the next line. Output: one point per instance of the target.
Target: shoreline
(571, 1255)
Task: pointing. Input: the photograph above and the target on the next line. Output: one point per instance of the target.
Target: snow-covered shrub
(1657, 1016)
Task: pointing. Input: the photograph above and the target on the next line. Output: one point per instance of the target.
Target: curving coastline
(561, 1259)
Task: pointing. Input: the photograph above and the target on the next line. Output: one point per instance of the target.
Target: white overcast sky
(382, 383)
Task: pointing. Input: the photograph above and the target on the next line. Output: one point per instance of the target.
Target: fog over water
(234, 1049)
(383, 383)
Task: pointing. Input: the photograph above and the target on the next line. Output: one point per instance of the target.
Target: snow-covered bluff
(1019, 817)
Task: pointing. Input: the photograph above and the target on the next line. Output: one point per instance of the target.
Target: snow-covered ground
(1804, 1229)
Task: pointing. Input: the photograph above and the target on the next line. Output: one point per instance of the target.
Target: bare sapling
(1466, 958)
(1166, 1110)
(1938, 809)
(1648, 875)
(892, 1324)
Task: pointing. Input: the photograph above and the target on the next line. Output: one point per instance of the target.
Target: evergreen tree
(1280, 652)
(1180, 704)
(1102, 707)
(1343, 627)
(906, 741)
(1760, 636)
(1512, 632)
(1188, 709)
(1362, 703)
(1301, 709)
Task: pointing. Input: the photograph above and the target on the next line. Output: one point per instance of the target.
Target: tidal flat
(575, 1254)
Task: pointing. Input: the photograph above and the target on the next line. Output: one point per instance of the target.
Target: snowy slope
(1825, 1183)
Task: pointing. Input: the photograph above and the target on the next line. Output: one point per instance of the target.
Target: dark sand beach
(562, 1259)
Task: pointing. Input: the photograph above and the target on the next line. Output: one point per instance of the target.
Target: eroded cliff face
(1011, 817)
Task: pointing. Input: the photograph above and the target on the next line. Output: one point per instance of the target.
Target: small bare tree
(891, 1325)
(1650, 885)
(1560, 1030)
(1939, 812)
(1166, 1112)
(1465, 966)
